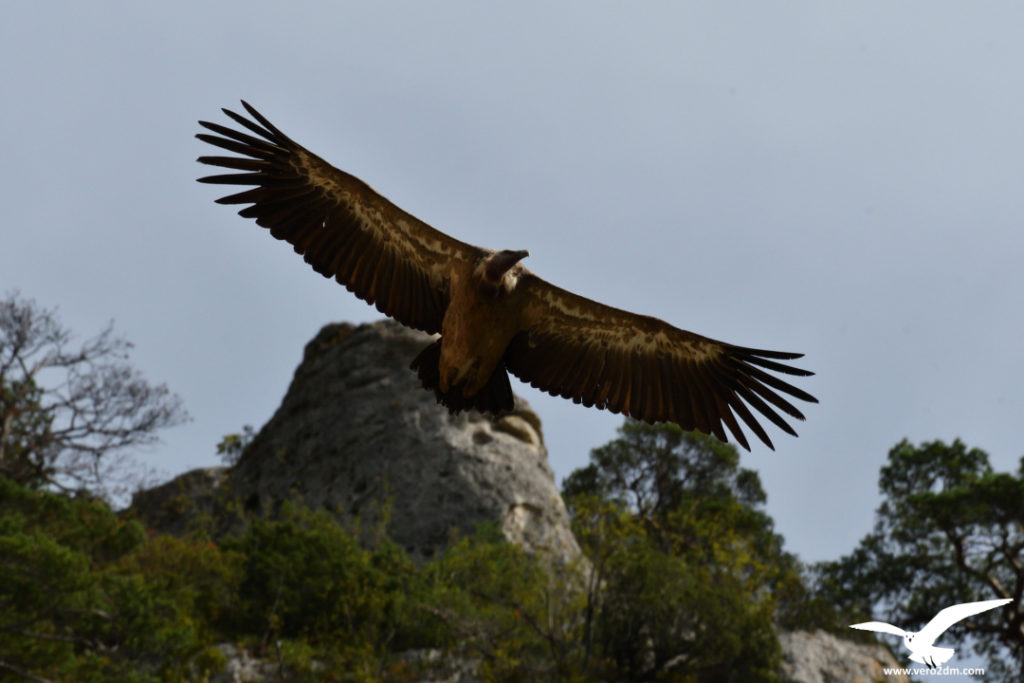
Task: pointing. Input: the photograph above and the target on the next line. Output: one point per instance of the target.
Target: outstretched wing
(951, 615)
(880, 627)
(340, 225)
(645, 368)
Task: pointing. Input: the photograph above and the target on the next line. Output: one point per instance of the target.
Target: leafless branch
(66, 413)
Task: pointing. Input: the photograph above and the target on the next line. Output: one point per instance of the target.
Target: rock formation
(355, 430)
(820, 657)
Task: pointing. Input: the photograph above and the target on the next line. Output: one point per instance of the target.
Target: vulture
(493, 315)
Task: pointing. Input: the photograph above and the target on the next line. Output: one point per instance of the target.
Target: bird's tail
(495, 397)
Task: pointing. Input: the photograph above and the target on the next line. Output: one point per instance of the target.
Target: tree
(232, 446)
(949, 530)
(68, 412)
(85, 597)
(651, 469)
(688, 575)
(311, 592)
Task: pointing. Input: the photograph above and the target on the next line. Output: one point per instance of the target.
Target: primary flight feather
(493, 314)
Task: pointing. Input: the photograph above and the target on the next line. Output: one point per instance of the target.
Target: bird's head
(494, 270)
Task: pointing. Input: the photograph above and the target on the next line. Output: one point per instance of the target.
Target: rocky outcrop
(356, 431)
(820, 657)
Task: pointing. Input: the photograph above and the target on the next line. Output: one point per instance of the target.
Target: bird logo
(922, 644)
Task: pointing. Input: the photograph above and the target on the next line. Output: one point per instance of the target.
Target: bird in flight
(494, 316)
(922, 644)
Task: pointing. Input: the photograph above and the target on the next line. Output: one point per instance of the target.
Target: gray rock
(438, 667)
(820, 657)
(356, 430)
(240, 667)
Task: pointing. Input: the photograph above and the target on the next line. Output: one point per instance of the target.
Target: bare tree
(70, 413)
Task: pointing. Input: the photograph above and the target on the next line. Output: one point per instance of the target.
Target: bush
(77, 605)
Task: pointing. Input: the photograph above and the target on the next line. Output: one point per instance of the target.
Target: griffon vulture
(493, 314)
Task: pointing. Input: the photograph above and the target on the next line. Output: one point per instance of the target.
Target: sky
(838, 179)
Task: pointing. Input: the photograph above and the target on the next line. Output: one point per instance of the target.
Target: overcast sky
(842, 180)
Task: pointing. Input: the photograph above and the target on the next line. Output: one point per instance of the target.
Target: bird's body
(494, 315)
(478, 326)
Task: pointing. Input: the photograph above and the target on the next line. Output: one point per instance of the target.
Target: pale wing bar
(696, 382)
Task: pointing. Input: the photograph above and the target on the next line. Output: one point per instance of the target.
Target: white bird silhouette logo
(922, 644)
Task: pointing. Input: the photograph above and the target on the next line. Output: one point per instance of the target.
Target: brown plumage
(493, 314)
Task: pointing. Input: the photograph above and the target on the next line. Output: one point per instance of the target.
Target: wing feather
(714, 402)
(774, 382)
(659, 394)
(338, 223)
(647, 369)
(729, 418)
(690, 415)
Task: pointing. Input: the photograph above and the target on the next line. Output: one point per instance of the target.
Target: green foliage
(89, 596)
(683, 578)
(504, 608)
(232, 446)
(688, 575)
(76, 605)
(304, 579)
(652, 468)
(27, 425)
(949, 530)
(683, 610)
